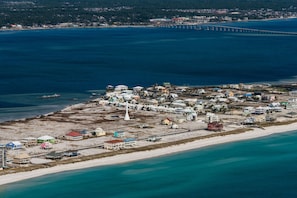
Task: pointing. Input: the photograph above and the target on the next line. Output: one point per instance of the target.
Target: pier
(228, 29)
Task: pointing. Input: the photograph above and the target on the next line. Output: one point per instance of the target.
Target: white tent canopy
(45, 138)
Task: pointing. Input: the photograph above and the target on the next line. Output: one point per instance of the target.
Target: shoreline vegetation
(18, 14)
(183, 124)
(150, 25)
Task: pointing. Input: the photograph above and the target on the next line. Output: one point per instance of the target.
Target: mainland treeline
(37, 12)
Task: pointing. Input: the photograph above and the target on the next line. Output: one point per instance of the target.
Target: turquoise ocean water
(264, 167)
(78, 62)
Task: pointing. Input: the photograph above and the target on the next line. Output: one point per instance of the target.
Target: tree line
(26, 12)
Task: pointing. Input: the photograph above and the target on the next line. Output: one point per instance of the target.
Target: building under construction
(215, 126)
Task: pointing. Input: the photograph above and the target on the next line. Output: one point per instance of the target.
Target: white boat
(51, 96)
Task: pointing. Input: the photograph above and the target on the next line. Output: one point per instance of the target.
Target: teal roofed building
(119, 134)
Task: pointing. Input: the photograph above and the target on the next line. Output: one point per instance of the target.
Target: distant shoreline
(86, 27)
(132, 26)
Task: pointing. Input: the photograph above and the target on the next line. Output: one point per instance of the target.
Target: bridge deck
(221, 28)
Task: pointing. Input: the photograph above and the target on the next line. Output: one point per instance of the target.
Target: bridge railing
(221, 28)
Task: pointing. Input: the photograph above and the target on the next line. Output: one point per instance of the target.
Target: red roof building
(114, 144)
(215, 126)
(74, 135)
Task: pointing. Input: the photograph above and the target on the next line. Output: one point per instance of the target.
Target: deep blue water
(72, 61)
(264, 167)
(77, 62)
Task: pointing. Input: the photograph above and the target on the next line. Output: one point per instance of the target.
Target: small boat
(50, 96)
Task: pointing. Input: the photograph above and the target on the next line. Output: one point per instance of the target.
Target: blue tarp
(129, 139)
(13, 145)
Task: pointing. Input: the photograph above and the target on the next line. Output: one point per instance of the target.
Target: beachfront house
(249, 120)
(214, 126)
(120, 88)
(291, 103)
(129, 142)
(260, 110)
(293, 93)
(46, 138)
(114, 144)
(248, 110)
(46, 145)
(268, 98)
(234, 86)
(260, 118)
(29, 141)
(14, 145)
(246, 86)
(74, 136)
(137, 89)
(86, 133)
(99, 132)
(161, 89)
(119, 134)
(22, 158)
(211, 117)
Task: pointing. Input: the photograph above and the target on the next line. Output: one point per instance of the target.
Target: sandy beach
(124, 158)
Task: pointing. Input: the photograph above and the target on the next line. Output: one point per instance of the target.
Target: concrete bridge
(230, 29)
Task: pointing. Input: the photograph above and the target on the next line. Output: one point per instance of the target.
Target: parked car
(71, 153)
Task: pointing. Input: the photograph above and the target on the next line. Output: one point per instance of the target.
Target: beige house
(30, 141)
(166, 121)
(22, 158)
(99, 132)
